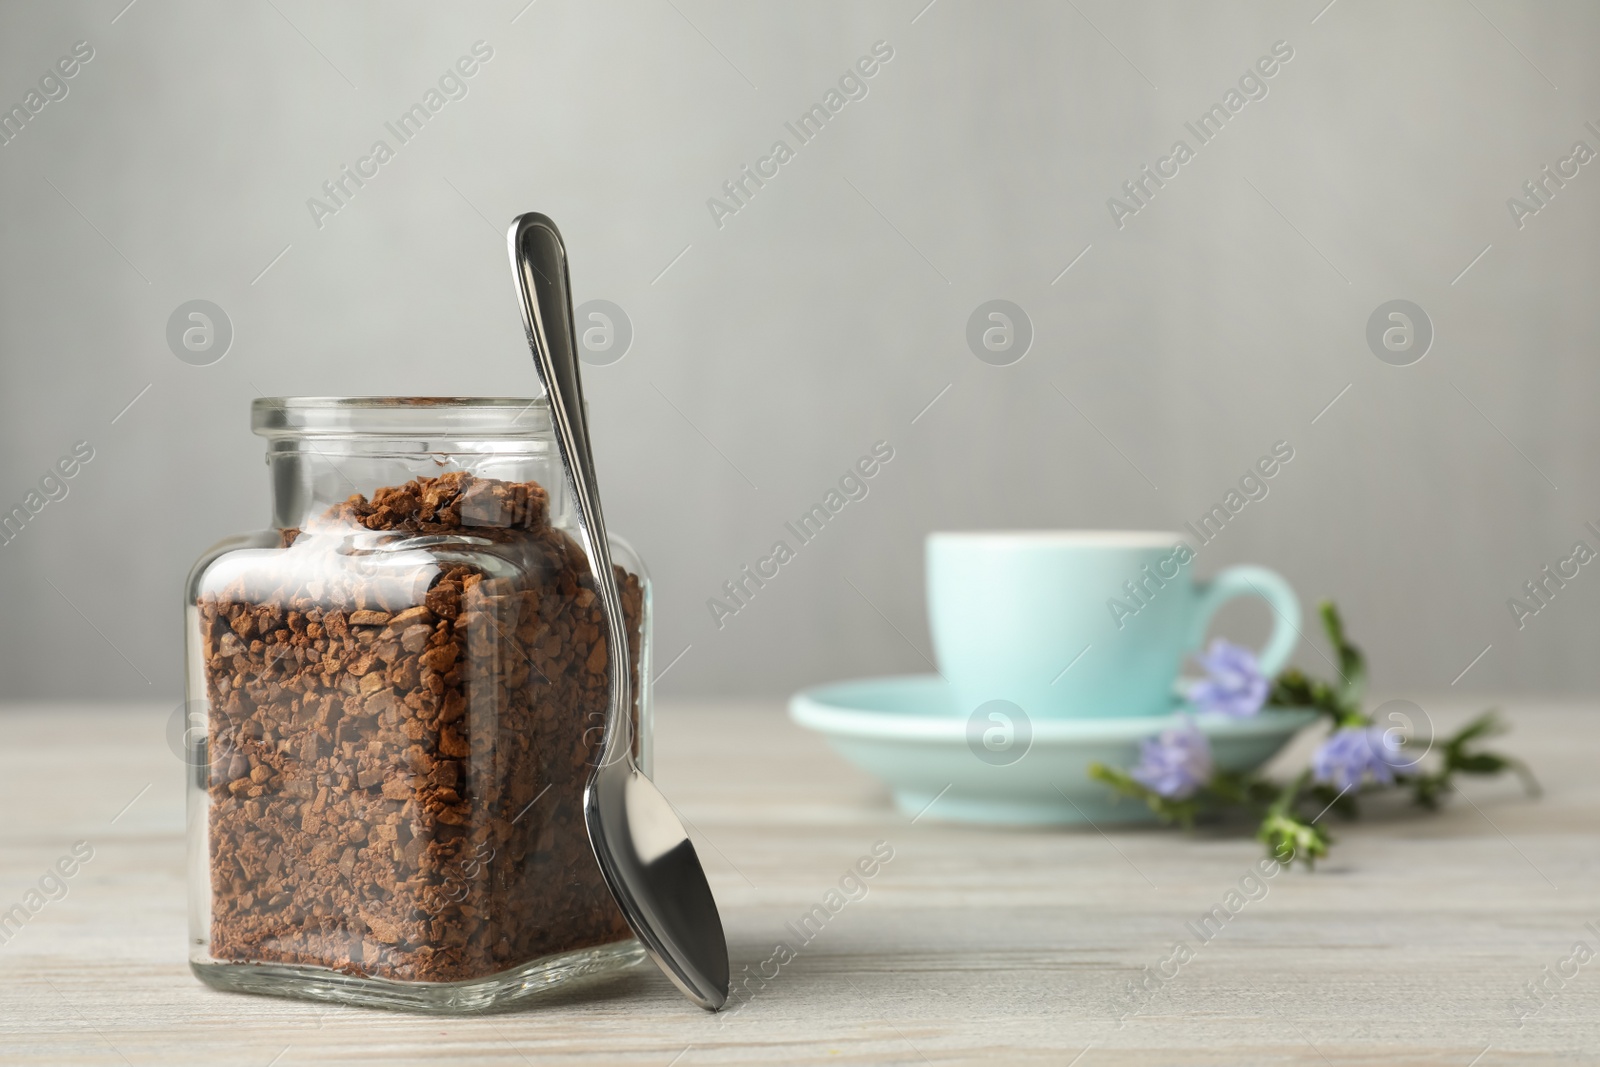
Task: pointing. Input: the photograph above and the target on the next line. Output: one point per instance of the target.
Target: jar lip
(389, 416)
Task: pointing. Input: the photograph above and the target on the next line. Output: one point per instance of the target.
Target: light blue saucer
(902, 730)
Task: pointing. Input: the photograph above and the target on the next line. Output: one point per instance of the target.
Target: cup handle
(1269, 586)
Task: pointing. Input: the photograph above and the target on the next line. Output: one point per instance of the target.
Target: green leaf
(1294, 689)
(1352, 662)
(1242, 790)
(1486, 725)
(1340, 700)
(1326, 798)
(1457, 757)
(1168, 810)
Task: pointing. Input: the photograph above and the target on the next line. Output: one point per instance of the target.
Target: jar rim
(389, 416)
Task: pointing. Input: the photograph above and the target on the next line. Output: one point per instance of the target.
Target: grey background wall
(827, 313)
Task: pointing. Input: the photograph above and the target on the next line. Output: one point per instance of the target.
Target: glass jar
(396, 696)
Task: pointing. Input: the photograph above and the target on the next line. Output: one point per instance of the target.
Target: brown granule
(403, 703)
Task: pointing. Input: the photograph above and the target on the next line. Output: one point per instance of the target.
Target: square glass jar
(395, 698)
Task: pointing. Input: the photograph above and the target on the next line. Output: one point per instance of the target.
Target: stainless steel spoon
(647, 859)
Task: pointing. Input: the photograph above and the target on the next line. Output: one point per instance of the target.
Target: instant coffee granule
(404, 709)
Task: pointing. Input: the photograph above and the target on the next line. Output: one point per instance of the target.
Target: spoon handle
(540, 259)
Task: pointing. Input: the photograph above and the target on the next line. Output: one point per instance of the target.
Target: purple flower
(1175, 762)
(1351, 753)
(1235, 686)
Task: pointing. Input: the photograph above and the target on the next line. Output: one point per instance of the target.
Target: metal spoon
(647, 859)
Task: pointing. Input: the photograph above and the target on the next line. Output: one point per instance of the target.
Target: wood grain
(970, 945)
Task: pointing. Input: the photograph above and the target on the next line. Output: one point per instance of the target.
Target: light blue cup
(1082, 623)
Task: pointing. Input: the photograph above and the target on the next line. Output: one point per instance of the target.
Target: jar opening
(399, 416)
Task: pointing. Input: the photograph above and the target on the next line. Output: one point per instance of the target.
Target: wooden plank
(970, 945)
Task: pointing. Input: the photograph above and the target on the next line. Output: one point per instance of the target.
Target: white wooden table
(1408, 947)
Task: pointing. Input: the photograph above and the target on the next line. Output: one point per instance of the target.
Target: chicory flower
(1174, 763)
(1353, 753)
(1234, 685)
